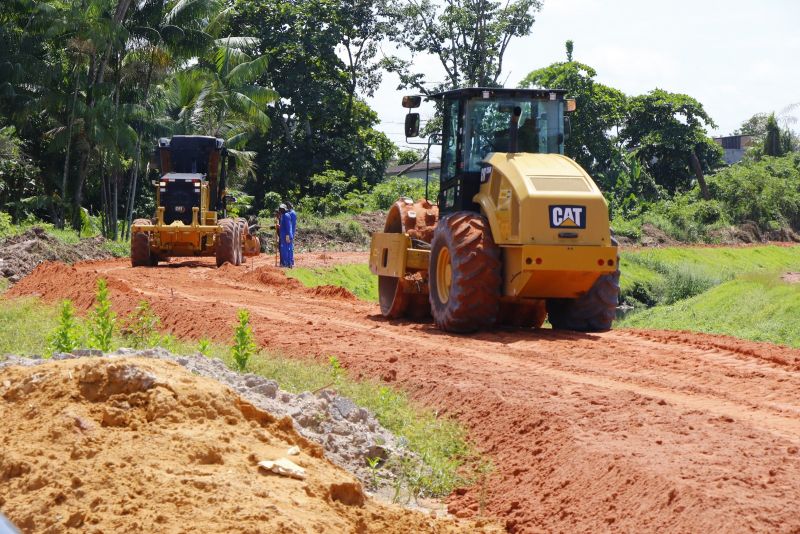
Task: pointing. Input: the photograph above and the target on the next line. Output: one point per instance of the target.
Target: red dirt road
(621, 431)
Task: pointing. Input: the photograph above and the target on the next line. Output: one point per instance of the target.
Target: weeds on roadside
(204, 346)
(66, 337)
(244, 346)
(102, 320)
(374, 466)
(141, 327)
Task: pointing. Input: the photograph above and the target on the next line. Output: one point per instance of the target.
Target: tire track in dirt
(624, 430)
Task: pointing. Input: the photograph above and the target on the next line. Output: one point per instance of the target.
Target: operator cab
(186, 163)
(481, 121)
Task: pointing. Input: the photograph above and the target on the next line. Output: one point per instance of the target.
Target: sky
(736, 57)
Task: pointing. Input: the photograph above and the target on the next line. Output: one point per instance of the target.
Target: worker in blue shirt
(285, 235)
(293, 217)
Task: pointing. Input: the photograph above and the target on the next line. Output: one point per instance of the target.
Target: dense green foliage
(763, 193)
(645, 147)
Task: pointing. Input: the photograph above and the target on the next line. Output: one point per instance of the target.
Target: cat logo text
(567, 216)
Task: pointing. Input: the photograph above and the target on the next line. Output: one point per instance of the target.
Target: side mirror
(412, 125)
(567, 127)
(412, 101)
(231, 163)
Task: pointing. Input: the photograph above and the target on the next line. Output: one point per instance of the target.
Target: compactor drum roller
(519, 232)
(190, 196)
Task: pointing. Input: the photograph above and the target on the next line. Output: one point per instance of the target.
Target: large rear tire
(593, 312)
(464, 274)
(141, 256)
(227, 243)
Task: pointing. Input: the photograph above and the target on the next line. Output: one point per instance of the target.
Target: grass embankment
(756, 306)
(667, 275)
(449, 461)
(356, 278)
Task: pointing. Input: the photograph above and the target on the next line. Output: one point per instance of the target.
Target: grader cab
(191, 205)
(519, 232)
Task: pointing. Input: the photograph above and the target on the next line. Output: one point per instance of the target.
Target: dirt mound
(372, 221)
(132, 445)
(268, 276)
(332, 292)
(19, 255)
(653, 236)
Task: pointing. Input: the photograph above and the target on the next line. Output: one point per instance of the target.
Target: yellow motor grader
(519, 232)
(190, 197)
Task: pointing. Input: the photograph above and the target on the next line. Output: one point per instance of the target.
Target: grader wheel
(141, 256)
(228, 243)
(464, 274)
(398, 296)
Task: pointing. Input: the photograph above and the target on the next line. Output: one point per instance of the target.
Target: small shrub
(67, 335)
(244, 346)
(5, 224)
(102, 320)
(141, 327)
(683, 283)
(204, 346)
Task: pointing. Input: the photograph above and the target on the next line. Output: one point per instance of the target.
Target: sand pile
(131, 445)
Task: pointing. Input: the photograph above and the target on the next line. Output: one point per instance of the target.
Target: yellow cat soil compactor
(190, 197)
(519, 231)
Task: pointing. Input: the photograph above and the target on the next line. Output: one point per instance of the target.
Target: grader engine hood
(542, 199)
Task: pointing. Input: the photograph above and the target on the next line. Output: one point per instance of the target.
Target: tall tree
(772, 138)
(668, 132)
(321, 61)
(469, 37)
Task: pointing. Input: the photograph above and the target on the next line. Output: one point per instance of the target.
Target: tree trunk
(77, 199)
(698, 172)
(65, 177)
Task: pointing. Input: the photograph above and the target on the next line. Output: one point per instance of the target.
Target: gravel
(350, 434)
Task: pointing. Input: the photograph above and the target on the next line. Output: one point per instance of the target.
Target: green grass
(448, 459)
(667, 275)
(760, 307)
(24, 326)
(356, 278)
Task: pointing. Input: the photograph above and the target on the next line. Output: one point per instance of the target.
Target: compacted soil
(626, 430)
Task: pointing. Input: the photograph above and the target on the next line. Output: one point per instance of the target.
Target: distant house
(734, 146)
(416, 171)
